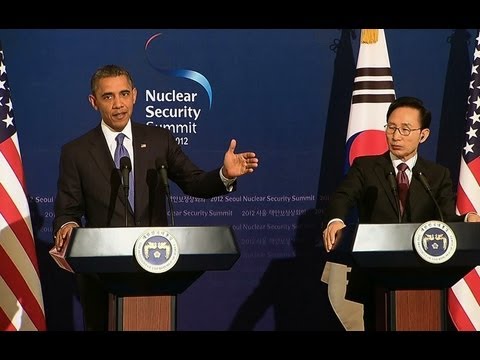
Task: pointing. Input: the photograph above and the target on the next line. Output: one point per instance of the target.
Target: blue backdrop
(283, 93)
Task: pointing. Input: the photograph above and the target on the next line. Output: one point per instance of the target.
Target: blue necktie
(120, 152)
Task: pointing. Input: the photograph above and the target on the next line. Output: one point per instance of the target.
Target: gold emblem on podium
(156, 250)
(435, 242)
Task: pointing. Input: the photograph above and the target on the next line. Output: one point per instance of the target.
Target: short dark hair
(108, 71)
(414, 103)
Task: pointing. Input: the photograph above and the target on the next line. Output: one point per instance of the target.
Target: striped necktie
(403, 184)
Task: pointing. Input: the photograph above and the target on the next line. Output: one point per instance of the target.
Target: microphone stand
(125, 168)
(170, 205)
(125, 190)
(426, 185)
(163, 170)
(164, 177)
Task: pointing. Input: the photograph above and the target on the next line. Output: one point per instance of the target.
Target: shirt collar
(111, 134)
(410, 162)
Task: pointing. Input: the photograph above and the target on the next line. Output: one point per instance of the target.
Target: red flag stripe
(457, 314)
(464, 205)
(469, 184)
(463, 301)
(10, 151)
(18, 225)
(15, 315)
(470, 188)
(20, 288)
(5, 323)
(473, 281)
(474, 167)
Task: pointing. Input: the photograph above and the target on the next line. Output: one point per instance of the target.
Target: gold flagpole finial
(369, 36)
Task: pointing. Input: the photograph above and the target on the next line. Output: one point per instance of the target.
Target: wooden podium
(410, 292)
(142, 300)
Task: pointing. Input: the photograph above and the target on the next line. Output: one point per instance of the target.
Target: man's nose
(117, 103)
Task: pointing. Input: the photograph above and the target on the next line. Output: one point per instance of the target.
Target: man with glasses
(367, 188)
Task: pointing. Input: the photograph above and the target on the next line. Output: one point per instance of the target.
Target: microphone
(162, 169)
(393, 185)
(425, 184)
(125, 168)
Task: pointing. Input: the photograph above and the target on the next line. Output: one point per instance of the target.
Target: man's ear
(424, 135)
(92, 101)
(134, 91)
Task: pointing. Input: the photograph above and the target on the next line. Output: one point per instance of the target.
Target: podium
(139, 299)
(410, 292)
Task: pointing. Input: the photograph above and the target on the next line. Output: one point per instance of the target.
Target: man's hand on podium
(63, 234)
(472, 217)
(330, 234)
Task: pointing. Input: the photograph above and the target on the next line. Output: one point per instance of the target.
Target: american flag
(21, 300)
(464, 296)
(372, 94)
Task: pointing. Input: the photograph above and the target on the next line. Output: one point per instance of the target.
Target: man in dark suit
(367, 187)
(89, 186)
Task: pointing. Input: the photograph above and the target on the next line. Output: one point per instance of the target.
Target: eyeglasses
(404, 131)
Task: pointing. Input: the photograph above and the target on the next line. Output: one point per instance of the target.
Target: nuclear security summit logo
(156, 250)
(180, 106)
(435, 242)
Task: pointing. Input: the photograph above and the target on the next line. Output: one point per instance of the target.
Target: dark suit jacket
(367, 188)
(89, 185)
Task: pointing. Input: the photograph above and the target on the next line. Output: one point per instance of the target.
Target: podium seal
(435, 242)
(156, 250)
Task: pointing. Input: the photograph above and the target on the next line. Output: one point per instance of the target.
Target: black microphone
(393, 185)
(162, 169)
(125, 168)
(425, 184)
